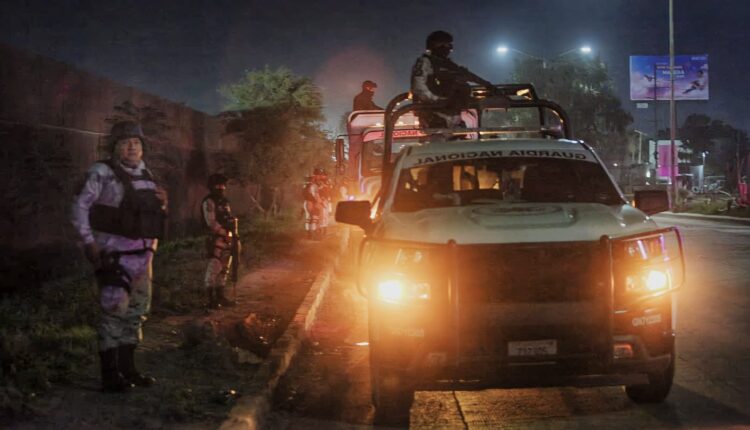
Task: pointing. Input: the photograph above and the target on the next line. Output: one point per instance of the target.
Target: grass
(715, 206)
(47, 335)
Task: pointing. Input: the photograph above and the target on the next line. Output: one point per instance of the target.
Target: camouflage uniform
(123, 314)
(312, 206)
(119, 215)
(216, 216)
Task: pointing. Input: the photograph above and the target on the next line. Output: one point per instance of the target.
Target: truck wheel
(392, 396)
(657, 389)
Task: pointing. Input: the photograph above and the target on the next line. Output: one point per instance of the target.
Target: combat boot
(222, 299)
(212, 301)
(126, 355)
(112, 379)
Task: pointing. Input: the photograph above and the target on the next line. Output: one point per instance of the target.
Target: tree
(275, 120)
(583, 88)
(278, 88)
(726, 146)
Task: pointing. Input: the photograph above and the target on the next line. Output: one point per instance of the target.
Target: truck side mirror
(355, 213)
(339, 154)
(652, 201)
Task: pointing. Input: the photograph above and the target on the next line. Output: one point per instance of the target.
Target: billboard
(649, 74)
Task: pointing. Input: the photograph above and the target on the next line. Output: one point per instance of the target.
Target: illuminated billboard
(649, 75)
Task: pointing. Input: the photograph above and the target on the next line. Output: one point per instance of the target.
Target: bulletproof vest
(140, 214)
(308, 193)
(223, 212)
(443, 80)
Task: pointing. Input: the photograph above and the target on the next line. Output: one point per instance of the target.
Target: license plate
(532, 348)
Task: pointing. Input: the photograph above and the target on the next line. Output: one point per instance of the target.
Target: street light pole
(672, 116)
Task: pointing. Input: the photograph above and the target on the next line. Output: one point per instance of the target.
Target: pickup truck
(504, 255)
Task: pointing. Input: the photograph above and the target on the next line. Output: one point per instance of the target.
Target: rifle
(467, 75)
(234, 226)
(463, 75)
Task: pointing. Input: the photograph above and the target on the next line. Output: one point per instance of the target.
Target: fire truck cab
(503, 254)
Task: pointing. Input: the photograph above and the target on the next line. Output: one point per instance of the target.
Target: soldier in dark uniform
(218, 219)
(363, 100)
(119, 214)
(436, 78)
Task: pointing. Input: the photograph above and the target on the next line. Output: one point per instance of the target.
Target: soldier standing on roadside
(218, 219)
(119, 214)
(312, 206)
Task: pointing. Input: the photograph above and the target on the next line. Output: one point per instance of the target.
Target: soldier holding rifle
(222, 243)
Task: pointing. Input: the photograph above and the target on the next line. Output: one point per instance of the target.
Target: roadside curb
(717, 218)
(250, 411)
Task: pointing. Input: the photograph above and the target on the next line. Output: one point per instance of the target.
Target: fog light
(623, 350)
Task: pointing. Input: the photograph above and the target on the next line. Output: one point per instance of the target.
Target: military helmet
(369, 84)
(124, 130)
(216, 179)
(437, 38)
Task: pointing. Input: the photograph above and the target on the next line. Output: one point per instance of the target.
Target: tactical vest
(443, 80)
(308, 193)
(223, 212)
(140, 214)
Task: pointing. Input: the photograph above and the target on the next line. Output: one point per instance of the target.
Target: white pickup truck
(504, 255)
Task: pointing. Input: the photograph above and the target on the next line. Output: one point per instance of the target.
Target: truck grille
(529, 273)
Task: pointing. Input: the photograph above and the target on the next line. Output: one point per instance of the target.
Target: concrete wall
(53, 119)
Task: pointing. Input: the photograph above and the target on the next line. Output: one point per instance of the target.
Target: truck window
(503, 180)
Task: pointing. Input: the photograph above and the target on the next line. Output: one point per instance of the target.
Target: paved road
(329, 386)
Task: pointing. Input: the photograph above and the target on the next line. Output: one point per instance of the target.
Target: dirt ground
(203, 361)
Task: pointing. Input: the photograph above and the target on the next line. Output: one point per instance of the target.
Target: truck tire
(657, 389)
(392, 396)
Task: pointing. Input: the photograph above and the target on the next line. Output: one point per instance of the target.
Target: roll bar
(500, 96)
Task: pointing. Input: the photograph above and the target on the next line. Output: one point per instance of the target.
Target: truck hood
(514, 223)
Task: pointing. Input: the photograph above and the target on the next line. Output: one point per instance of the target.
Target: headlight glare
(400, 291)
(391, 290)
(657, 280)
(650, 281)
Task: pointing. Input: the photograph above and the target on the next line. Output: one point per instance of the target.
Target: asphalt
(718, 218)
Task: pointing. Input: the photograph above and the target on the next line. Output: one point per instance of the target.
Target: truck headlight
(398, 291)
(650, 281)
(657, 280)
(391, 291)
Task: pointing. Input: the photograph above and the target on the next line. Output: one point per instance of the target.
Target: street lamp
(504, 49)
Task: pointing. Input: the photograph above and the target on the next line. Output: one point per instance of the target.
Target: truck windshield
(503, 180)
(372, 154)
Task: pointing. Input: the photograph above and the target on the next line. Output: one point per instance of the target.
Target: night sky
(184, 50)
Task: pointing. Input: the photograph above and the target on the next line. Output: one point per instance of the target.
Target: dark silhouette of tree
(276, 124)
(584, 89)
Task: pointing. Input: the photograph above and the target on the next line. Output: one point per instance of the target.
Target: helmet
(124, 130)
(216, 179)
(437, 38)
(369, 84)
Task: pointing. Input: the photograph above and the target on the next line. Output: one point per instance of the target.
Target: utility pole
(672, 115)
(656, 126)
